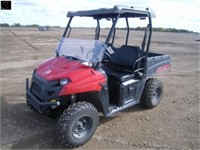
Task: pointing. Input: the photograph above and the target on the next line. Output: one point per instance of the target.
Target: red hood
(60, 67)
(83, 78)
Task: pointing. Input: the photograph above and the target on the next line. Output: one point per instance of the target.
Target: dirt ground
(173, 124)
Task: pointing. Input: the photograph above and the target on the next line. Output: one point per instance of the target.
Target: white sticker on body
(110, 50)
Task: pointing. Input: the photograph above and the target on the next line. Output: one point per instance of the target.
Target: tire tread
(148, 91)
(66, 117)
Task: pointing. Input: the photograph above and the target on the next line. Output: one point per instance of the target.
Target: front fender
(75, 88)
(87, 81)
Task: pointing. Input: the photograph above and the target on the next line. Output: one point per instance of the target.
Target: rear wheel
(152, 93)
(77, 124)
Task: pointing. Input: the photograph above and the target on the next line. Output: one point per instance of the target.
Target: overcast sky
(184, 14)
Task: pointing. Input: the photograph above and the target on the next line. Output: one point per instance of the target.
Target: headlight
(64, 81)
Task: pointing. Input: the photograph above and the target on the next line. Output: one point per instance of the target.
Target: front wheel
(152, 93)
(77, 124)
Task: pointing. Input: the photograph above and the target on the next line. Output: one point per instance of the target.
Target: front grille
(36, 89)
(44, 90)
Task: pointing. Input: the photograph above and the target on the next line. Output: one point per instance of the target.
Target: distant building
(43, 28)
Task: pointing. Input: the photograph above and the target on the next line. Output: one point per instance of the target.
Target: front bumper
(41, 99)
(39, 106)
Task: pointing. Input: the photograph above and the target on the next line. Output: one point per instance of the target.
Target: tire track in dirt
(29, 44)
(140, 145)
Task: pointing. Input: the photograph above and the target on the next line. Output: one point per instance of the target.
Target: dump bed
(158, 63)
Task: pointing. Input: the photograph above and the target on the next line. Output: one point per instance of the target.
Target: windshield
(87, 50)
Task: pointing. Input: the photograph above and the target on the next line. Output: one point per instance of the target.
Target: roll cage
(114, 14)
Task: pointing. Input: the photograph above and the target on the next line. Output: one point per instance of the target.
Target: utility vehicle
(98, 72)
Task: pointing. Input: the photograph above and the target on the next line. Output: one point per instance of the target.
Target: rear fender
(158, 64)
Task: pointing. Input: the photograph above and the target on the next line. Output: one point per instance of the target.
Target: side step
(114, 109)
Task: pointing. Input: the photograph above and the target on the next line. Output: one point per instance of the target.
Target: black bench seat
(122, 61)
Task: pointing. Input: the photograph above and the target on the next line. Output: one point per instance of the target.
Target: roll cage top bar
(124, 11)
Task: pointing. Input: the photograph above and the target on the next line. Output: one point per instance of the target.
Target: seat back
(125, 56)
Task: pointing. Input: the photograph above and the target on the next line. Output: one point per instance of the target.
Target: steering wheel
(87, 55)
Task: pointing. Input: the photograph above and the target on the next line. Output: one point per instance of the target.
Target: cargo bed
(158, 63)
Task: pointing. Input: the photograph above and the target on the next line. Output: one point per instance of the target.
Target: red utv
(99, 74)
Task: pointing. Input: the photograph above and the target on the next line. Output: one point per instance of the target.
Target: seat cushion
(117, 74)
(125, 55)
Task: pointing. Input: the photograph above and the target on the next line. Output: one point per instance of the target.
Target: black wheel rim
(82, 127)
(156, 96)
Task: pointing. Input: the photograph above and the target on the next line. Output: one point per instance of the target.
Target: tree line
(17, 25)
(159, 29)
